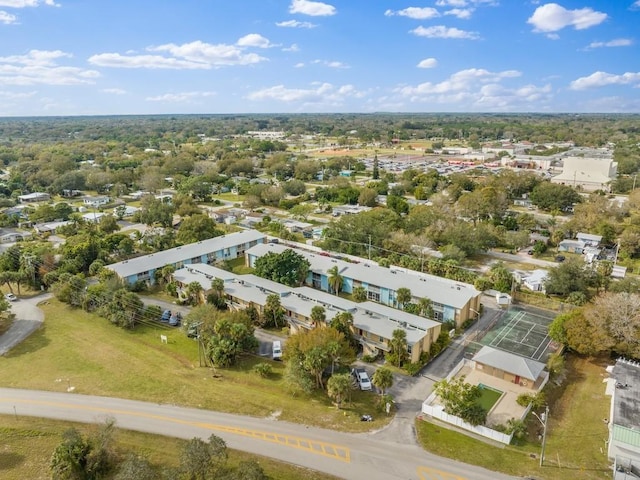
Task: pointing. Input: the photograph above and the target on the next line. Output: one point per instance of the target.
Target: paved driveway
(28, 319)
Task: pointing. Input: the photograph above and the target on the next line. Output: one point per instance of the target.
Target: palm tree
(193, 292)
(403, 296)
(398, 347)
(338, 387)
(425, 306)
(318, 316)
(335, 279)
(383, 379)
(359, 294)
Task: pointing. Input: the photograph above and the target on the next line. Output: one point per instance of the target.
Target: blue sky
(99, 57)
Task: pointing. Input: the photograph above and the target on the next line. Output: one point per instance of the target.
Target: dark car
(560, 258)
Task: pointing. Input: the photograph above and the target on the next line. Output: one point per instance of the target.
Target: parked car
(560, 258)
(166, 315)
(11, 297)
(361, 378)
(277, 350)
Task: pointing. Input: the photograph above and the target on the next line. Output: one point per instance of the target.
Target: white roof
(153, 261)
(438, 289)
(509, 362)
(589, 237)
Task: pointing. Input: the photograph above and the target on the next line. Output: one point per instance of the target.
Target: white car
(10, 297)
(361, 378)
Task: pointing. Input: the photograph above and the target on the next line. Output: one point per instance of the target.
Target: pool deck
(506, 407)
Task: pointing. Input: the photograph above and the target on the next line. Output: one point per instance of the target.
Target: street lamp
(543, 418)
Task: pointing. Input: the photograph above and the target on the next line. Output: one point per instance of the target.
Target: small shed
(511, 367)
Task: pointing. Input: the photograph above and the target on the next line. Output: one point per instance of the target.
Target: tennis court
(522, 332)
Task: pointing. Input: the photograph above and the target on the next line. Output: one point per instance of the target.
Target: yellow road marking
(427, 473)
(337, 452)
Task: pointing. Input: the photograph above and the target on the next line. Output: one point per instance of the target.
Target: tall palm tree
(403, 296)
(426, 307)
(335, 279)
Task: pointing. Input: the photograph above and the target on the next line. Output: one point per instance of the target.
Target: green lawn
(86, 351)
(575, 440)
(488, 398)
(27, 446)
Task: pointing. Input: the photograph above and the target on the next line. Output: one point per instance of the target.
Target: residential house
(13, 236)
(624, 418)
(96, 202)
(571, 246)
(589, 240)
(533, 280)
(451, 301)
(34, 197)
(213, 250)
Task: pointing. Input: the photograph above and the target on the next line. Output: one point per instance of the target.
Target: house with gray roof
(510, 367)
(210, 251)
(452, 301)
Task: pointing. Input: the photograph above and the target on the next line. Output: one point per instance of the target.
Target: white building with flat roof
(590, 173)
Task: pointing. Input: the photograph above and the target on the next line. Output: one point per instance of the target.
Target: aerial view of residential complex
(427, 268)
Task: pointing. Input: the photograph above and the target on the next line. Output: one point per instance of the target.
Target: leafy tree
(194, 291)
(376, 169)
(359, 294)
(501, 277)
(310, 352)
(425, 307)
(339, 387)
(249, 470)
(196, 228)
(155, 211)
(397, 204)
(288, 267)
(70, 457)
(135, 467)
(382, 379)
(232, 336)
(125, 309)
(569, 276)
(553, 196)
(343, 322)
(108, 224)
(201, 460)
(335, 280)
(368, 197)
(398, 348)
(460, 399)
(302, 211)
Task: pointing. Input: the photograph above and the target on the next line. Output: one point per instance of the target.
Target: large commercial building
(590, 173)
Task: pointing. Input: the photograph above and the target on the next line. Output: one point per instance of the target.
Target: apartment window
(409, 349)
(375, 296)
(381, 339)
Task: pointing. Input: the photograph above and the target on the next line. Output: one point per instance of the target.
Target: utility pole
(543, 419)
(369, 247)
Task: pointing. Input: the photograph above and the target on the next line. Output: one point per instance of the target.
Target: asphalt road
(350, 456)
(28, 319)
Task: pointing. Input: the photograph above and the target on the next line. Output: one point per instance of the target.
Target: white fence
(437, 411)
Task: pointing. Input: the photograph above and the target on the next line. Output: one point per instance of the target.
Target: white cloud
(463, 80)
(428, 63)
(314, 9)
(299, 65)
(440, 31)
(254, 40)
(618, 42)
(16, 95)
(114, 91)
(182, 97)
(320, 93)
(292, 48)
(462, 13)
(451, 3)
(40, 67)
(295, 24)
(603, 79)
(188, 56)
(26, 3)
(636, 4)
(552, 17)
(330, 63)
(417, 13)
(7, 18)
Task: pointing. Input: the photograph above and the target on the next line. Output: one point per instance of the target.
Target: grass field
(489, 397)
(575, 439)
(87, 352)
(27, 446)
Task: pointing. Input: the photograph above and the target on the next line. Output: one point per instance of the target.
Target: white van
(277, 350)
